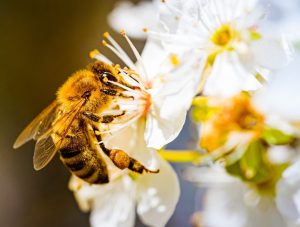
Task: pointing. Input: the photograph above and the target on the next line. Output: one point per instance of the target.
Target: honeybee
(70, 125)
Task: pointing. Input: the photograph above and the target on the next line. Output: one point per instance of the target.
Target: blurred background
(42, 43)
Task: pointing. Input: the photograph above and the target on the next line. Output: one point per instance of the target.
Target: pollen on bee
(94, 53)
(117, 66)
(97, 132)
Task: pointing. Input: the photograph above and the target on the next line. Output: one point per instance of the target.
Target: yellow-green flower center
(235, 115)
(223, 36)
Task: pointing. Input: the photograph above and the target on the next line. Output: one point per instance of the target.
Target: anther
(106, 35)
(122, 32)
(104, 43)
(94, 53)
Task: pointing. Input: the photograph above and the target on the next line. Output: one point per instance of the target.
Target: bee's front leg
(101, 119)
(113, 92)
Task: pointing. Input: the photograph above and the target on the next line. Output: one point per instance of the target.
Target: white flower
(153, 197)
(226, 33)
(279, 100)
(230, 203)
(134, 17)
(288, 193)
(273, 107)
(285, 19)
(234, 205)
(162, 91)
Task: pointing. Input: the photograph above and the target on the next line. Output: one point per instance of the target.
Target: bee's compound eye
(107, 76)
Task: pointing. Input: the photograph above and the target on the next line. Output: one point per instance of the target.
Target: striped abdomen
(85, 163)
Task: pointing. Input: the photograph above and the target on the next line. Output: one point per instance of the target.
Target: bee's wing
(44, 151)
(46, 147)
(38, 126)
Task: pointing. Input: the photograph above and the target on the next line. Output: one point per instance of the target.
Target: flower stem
(181, 156)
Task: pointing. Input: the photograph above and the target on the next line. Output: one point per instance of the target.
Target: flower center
(147, 104)
(237, 115)
(132, 101)
(223, 36)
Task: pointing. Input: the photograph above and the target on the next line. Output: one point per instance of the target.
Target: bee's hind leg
(123, 160)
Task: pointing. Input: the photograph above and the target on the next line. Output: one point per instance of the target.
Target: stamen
(131, 80)
(95, 54)
(116, 52)
(136, 54)
(124, 87)
(174, 60)
(118, 47)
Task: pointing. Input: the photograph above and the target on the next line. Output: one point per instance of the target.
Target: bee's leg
(113, 92)
(123, 160)
(101, 119)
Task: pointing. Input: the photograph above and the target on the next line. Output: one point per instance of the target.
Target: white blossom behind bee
(226, 33)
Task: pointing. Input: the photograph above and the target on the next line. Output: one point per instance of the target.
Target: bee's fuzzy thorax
(72, 91)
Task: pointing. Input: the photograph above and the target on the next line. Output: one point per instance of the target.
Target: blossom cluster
(240, 82)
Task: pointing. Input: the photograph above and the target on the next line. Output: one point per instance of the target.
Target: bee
(70, 125)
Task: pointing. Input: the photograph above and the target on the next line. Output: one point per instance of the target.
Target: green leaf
(269, 187)
(276, 137)
(252, 166)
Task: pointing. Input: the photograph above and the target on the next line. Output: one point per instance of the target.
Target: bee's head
(82, 85)
(104, 72)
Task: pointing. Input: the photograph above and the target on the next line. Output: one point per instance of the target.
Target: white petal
(234, 205)
(132, 141)
(133, 18)
(171, 103)
(153, 57)
(280, 97)
(111, 205)
(223, 207)
(208, 176)
(158, 195)
(229, 77)
(288, 193)
(115, 208)
(272, 53)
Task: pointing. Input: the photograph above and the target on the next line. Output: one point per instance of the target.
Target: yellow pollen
(223, 36)
(174, 60)
(145, 29)
(94, 53)
(106, 35)
(122, 32)
(104, 43)
(117, 66)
